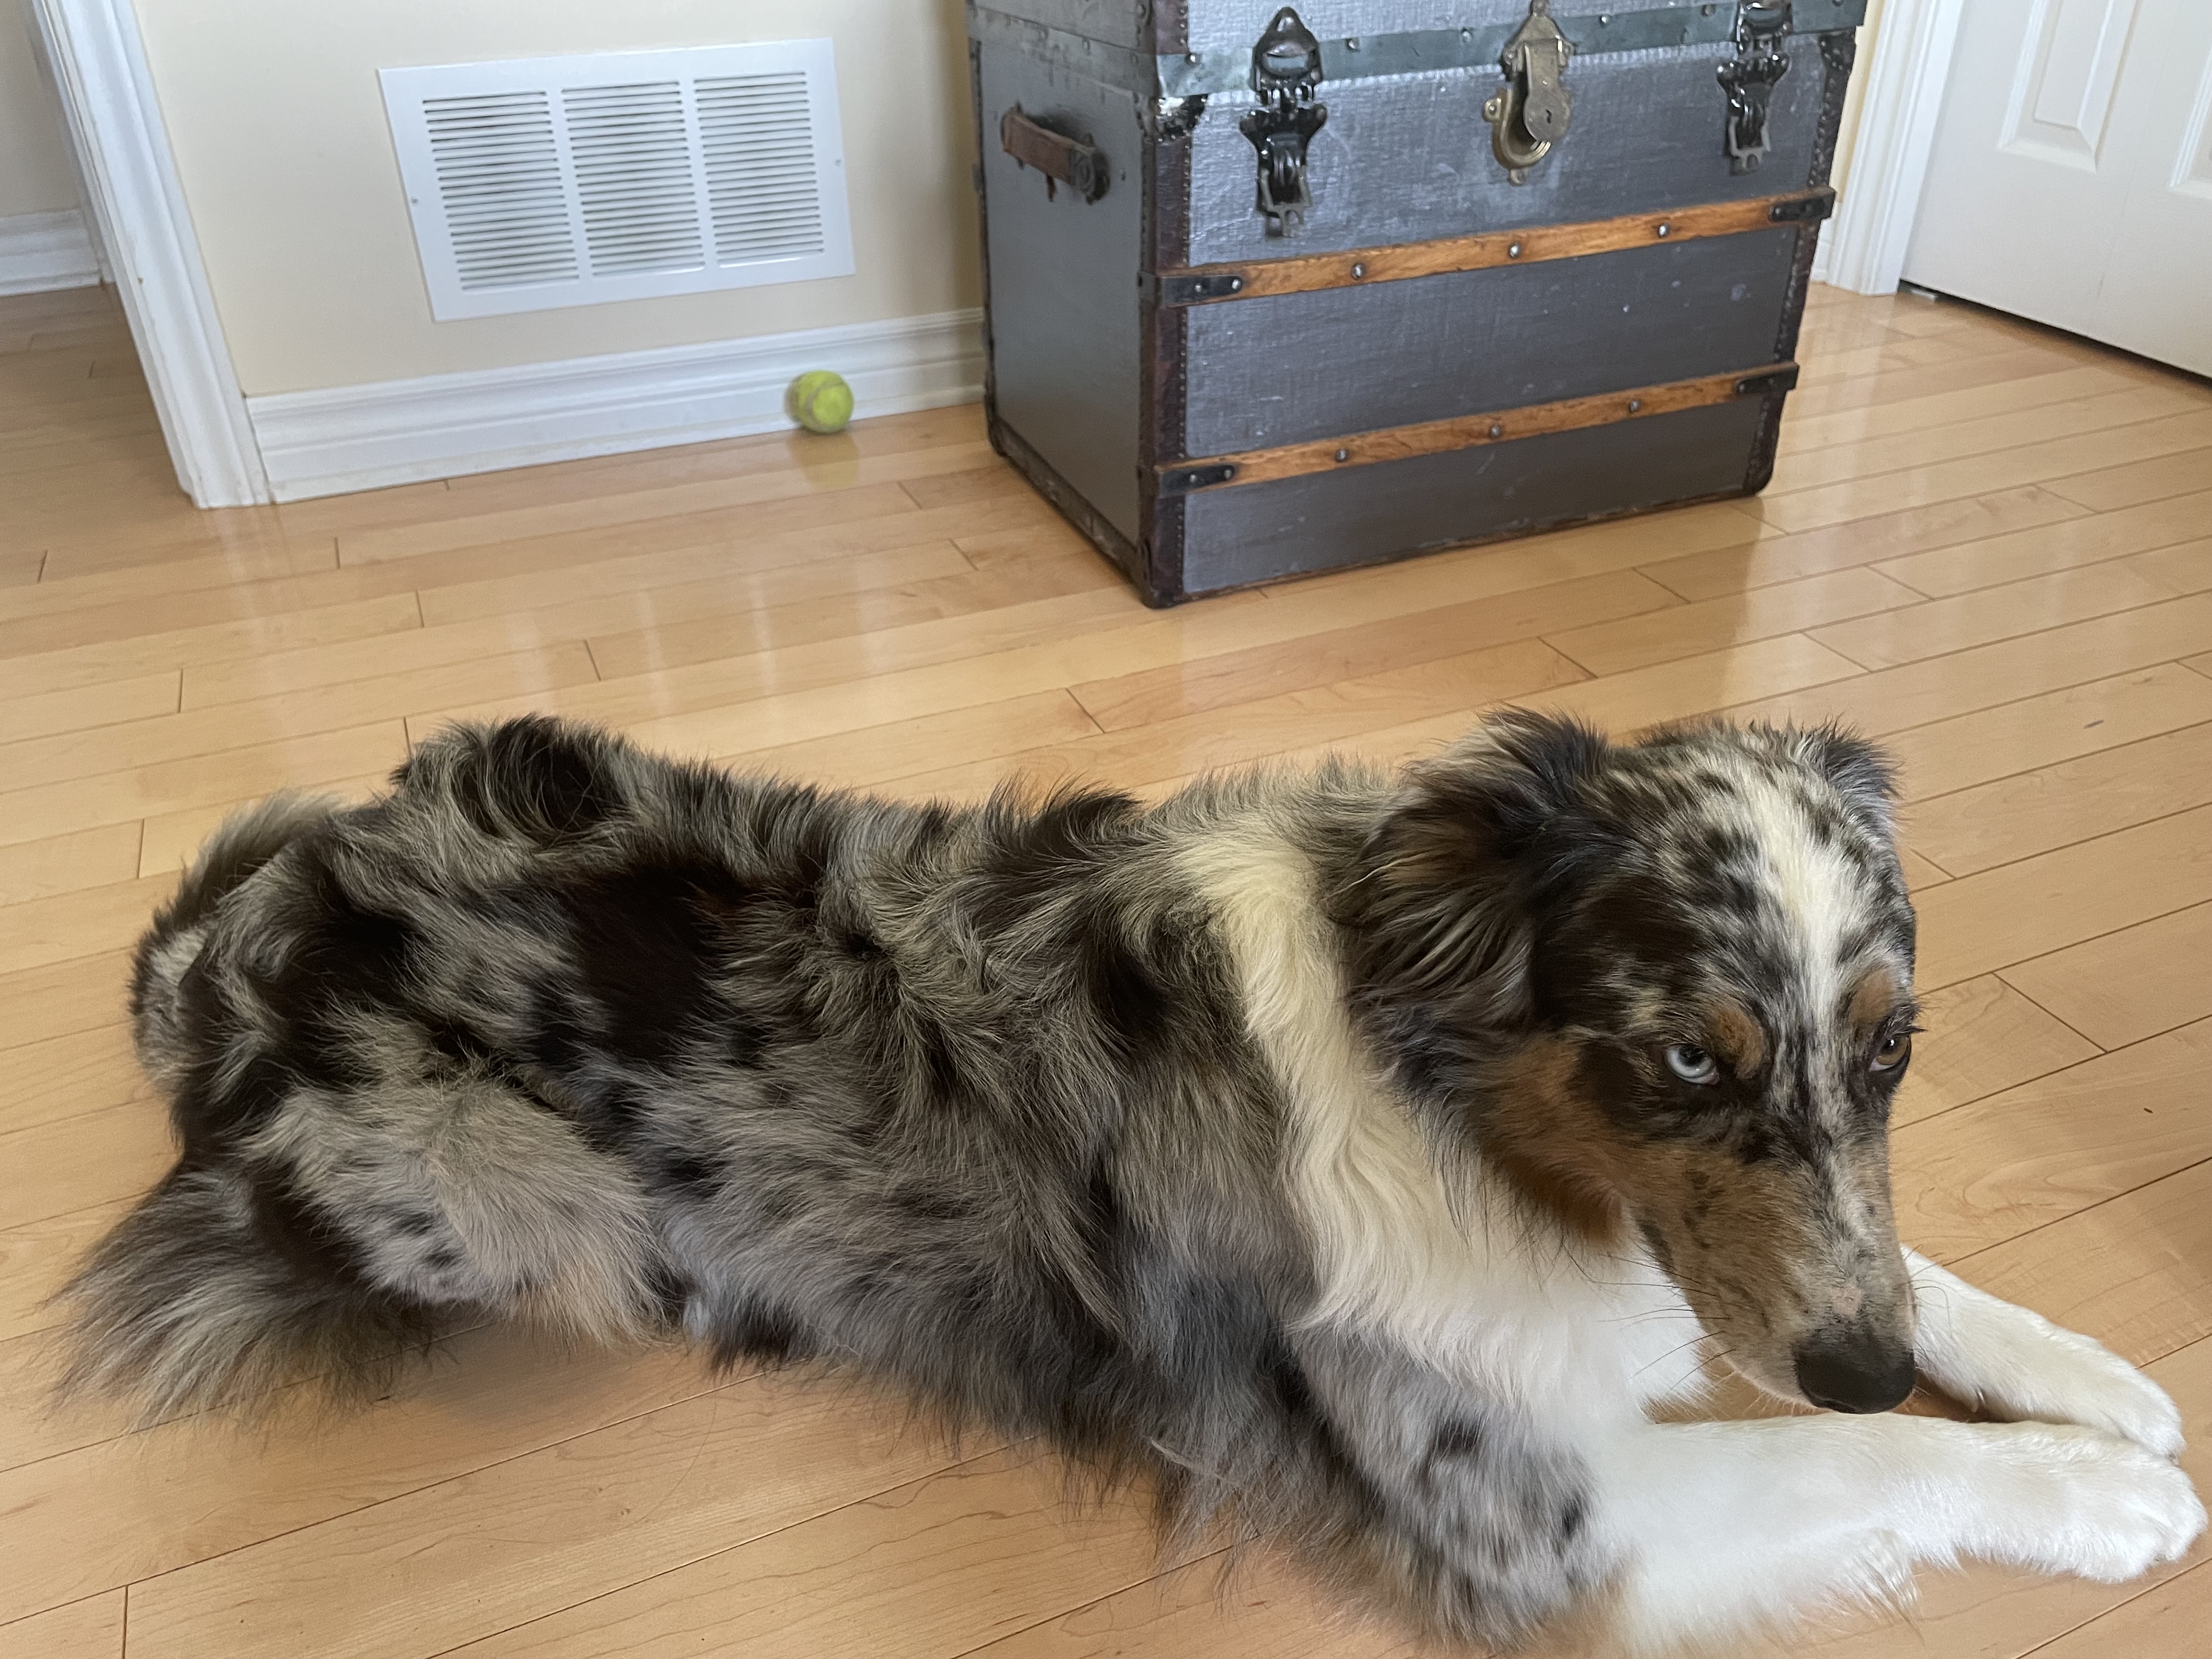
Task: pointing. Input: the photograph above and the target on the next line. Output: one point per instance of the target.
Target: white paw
(2021, 1365)
(2078, 1500)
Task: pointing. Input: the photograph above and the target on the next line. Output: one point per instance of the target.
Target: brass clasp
(1530, 113)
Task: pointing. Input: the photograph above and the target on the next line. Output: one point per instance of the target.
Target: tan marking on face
(1738, 1037)
(1546, 1139)
(1873, 998)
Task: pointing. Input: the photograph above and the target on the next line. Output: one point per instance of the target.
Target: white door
(2071, 177)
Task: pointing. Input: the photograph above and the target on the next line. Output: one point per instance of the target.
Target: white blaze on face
(1817, 889)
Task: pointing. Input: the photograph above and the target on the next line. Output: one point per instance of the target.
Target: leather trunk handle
(1063, 160)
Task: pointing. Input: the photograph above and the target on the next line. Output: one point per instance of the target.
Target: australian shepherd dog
(1362, 1157)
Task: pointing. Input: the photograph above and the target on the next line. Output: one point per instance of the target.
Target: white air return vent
(566, 181)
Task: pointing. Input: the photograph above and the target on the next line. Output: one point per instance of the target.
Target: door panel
(2071, 180)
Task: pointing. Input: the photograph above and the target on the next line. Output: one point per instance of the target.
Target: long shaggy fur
(1208, 1140)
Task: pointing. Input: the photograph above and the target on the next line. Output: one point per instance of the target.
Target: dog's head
(1668, 986)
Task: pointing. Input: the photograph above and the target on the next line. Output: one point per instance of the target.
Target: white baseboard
(393, 432)
(43, 251)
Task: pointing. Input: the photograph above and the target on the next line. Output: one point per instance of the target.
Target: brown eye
(1893, 1052)
(1692, 1064)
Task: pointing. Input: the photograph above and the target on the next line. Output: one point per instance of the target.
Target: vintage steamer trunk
(1275, 289)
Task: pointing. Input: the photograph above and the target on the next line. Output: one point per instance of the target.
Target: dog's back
(559, 1029)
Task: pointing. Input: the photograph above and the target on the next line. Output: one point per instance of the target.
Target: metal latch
(1286, 73)
(1062, 160)
(1761, 27)
(1529, 115)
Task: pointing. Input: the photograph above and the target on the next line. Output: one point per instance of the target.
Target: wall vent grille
(565, 181)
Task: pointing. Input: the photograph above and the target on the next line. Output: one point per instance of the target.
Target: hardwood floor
(1990, 545)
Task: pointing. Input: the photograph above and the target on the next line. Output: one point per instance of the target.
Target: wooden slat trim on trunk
(1254, 279)
(1399, 443)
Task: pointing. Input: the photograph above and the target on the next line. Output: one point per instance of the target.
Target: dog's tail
(216, 1287)
(246, 842)
(193, 1303)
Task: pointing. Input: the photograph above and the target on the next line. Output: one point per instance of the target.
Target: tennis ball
(820, 402)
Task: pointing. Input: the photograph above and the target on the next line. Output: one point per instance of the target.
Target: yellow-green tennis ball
(821, 402)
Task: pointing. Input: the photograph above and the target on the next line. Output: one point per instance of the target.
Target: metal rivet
(1236, 283)
(1513, 250)
(1707, 11)
(1603, 18)
(1635, 404)
(1343, 454)
(1497, 431)
(1192, 58)
(1352, 43)
(1359, 271)
(1466, 35)
(1666, 230)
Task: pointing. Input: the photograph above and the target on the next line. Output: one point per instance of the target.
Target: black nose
(1854, 1370)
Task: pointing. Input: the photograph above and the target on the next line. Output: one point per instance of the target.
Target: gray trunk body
(1098, 388)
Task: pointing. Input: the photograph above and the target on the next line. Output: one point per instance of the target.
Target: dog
(1363, 1157)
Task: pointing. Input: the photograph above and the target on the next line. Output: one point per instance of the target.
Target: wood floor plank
(37, 1258)
(1781, 558)
(2166, 1622)
(1983, 1037)
(2032, 1154)
(684, 501)
(2134, 1271)
(1804, 433)
(1297, 663)
(1915, 694)
(90, 1629)
(2128, 985)
(62, 864)
(307, 631)
(1980, 923)
(1205, 1610)
(133, 744)
(68, 1077)
(962, 1557)
(2047, 728)
(2033, 812)
(982, 736)
(948, 594)
(2039, 549)
(1686, 630)
(1244, 732)
(85, 921)
(2148, 479)
(2017, 425)
(1939, 626)
(198, 779)
(501, 1406)
(466, 1559)
(80, 994)
(77, 708)
(2014, 363)
(53, 1168)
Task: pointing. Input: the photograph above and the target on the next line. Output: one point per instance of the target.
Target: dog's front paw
(2083, 1501)
(2040, 1370)
(2017, 1364)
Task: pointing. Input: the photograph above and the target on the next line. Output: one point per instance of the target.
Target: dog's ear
(1863, 774)
(1471, 846)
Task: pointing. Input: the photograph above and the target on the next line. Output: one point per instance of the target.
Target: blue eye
(1692, 1064)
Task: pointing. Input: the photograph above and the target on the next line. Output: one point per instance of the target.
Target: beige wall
(277, 121)
(35, 176)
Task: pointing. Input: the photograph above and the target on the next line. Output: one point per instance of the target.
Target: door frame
(1865, 249)
(133, 193)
